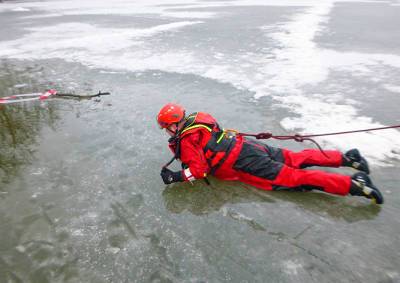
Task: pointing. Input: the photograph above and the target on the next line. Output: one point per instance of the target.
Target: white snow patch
(20, 248)
(77, 232)
(299, 62)
(319, 117)
(392, 88)
(20, 9)
(87, 41)
(20, 85)
(92, 215)
(113, 250)
(291, 267)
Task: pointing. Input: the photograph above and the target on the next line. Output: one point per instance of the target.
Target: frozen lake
(81, 199)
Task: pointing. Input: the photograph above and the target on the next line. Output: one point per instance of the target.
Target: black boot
(361, 185)
(353, 159)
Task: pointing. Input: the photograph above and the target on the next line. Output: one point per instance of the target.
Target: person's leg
(312, 157)
(328, 158)
(313, 179)
(302, 159)
(306, 180)
(257, 165)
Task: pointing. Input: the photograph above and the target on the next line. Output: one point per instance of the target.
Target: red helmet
(171, 113)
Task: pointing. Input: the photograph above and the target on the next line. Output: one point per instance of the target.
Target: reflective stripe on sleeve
(188, 175)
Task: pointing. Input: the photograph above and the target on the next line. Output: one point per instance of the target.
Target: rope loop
(298, 138)
(264, 136)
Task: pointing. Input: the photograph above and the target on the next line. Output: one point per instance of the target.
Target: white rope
(22, 95)
(33, 96)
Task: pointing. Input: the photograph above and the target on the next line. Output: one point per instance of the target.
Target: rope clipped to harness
(301, 138)
(296, 137)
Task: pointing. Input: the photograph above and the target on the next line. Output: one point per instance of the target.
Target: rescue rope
(301, 138)
(27, 97)
(82, 96)
(42, 96)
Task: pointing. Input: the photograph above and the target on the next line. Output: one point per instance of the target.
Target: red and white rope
(27, 97)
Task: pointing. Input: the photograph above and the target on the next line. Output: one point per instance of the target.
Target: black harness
(220, 141)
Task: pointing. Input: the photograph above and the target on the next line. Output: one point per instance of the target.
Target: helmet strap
(177, 129)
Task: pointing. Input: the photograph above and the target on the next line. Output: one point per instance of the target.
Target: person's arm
(191, 154)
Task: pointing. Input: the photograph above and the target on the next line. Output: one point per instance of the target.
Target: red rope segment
(301, 138)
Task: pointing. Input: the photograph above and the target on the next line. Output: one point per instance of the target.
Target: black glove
(170, 177)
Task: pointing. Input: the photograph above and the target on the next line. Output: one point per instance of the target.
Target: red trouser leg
(328, 182)
(312, 157)
(262, 166)
(290, 177)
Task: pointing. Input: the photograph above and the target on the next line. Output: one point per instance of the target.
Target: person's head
(171, 117)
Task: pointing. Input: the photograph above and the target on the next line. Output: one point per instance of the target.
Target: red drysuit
(252, 162)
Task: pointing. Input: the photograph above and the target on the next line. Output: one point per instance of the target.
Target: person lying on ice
(205, 149)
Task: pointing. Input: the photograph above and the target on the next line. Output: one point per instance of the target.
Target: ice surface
(292, 63)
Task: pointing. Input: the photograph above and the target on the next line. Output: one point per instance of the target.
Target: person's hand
(170, 177)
